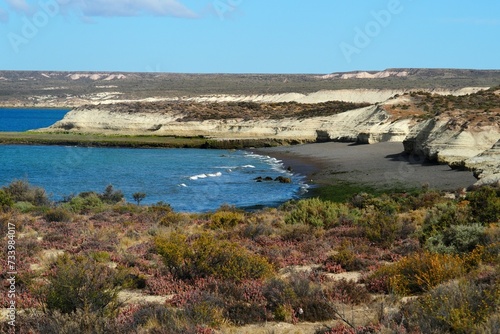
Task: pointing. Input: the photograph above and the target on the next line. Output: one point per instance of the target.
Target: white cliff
(347, 126)
(448, 138)
(486, 165)
(442, 140)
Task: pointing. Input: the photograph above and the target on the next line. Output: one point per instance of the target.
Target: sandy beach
(382, 165)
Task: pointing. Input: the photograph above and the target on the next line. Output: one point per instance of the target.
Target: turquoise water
(191, 180)
(19, 120)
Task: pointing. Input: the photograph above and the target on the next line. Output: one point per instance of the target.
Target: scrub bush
(454, 307)
(79, 283)
(442, 216)
(457, 239)
(22, 191)
(6, 201)
(346, 258)
(226, 219)
(111, 196)
(286, 296)
(485, 205)
(380, 227)
(80, 321)
(59, 214)
(416, 273)
(85, 203)
(154, 318)
(206, 256)
(316, 212)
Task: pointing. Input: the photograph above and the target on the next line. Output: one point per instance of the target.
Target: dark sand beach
(382, 165)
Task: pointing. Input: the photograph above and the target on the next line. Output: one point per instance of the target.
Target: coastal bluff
(448, 126)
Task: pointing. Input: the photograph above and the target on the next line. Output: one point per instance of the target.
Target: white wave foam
(204, 176)
(200, 176)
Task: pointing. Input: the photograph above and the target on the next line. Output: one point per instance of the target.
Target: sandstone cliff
(460, 128)
(347, 126)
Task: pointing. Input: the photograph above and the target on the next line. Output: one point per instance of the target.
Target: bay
(20, 119)
(190, 180)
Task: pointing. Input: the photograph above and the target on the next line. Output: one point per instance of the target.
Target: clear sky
(248, 36)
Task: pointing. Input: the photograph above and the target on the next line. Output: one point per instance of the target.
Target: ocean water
(190, 180)
(19, 120)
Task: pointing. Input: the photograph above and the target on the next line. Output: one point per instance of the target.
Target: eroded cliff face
(459, 137)
(443, 141)
(367, 125)
(475, 148)
(486, 165)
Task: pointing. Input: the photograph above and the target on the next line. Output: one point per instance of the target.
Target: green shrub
(79, 283)
(100, 256)
(22, 191)
(346, 258)
(279, 292)
(416, 273)
(85, 203)
(283, 313)
(111, 196)
(316, 212)
(457, 239)
(205, 309)
(380, 227)
(297, 232)
(24, 207)
(6, 201)
(443, 215)
(206, 256)
(285, 296)
(226, 219)
(160, 208)
(455, 307)
(59, 214)
(383, 204)
(485, 205)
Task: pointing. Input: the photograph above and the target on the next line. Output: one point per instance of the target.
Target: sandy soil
(378, 165)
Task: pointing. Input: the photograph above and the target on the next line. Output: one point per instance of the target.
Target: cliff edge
(460, 128)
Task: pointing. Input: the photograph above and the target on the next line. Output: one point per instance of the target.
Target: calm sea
(191, 180)
(18, 120)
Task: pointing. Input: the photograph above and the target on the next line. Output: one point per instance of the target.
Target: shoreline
(324, 166)
(381, 166)
(135, 141)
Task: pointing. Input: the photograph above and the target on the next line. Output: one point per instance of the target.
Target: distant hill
(29, 88)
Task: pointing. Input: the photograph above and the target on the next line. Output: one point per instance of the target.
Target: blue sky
(248, 36)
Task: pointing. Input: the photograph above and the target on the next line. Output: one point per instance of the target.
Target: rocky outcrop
(443, 141)
(460, 138)
(475, 148)
(486, 165)
(367, 125)
(348, 95)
